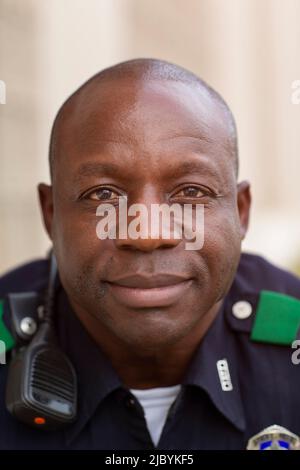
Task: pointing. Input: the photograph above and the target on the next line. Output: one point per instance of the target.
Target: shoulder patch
(277, 318)
(5, 335)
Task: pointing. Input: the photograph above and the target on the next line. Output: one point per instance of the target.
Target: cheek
(222, 229)
(75, 239)
(222, 244)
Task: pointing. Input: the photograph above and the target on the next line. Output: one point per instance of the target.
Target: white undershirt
(156, 403)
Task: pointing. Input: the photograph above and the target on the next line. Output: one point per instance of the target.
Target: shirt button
(28, 326)
(242, 310)
(130, 402)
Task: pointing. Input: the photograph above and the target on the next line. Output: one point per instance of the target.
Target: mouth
(148, 292)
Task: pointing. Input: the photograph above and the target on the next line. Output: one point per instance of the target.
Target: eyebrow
(189, 167)
(96, 168)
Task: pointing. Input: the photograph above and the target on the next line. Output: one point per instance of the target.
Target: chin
(146, 347)
(150, 338)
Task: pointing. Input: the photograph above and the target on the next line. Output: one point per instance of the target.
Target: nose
(151, 233)
(146, 244)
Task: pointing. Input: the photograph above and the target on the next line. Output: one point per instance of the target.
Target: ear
(46, 204)
(244, 204)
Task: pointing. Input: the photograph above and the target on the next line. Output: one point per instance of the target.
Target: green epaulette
(5, 335)
(277, 318)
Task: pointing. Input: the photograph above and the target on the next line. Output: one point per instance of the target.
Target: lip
(144, 291)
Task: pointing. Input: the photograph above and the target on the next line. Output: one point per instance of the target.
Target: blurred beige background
(249, 50)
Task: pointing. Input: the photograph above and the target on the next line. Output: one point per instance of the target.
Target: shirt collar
(219, 345)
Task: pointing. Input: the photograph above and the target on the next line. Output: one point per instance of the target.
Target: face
(153, 142)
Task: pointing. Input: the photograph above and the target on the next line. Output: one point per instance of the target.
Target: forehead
(137, 119)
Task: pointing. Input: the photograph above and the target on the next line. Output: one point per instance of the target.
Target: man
(172, 348)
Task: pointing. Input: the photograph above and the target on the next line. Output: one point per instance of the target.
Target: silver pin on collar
(224, 375)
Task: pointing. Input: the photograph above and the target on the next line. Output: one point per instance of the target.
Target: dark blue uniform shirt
(265, 382)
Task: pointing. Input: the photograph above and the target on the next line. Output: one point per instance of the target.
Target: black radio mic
(41, 387)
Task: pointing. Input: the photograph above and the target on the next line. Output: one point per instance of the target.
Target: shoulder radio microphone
(41, 386)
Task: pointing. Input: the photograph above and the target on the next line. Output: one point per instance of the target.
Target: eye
(102, 194)
(191, 192)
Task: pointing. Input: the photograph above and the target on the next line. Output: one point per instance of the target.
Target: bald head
(139, 71)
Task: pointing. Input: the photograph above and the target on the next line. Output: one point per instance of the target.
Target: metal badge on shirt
(274, 438)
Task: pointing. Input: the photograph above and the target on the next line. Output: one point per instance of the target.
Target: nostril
(146, 244)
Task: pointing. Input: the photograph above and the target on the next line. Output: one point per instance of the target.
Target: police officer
(171, 348)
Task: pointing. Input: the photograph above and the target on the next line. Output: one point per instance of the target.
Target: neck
(142, 369)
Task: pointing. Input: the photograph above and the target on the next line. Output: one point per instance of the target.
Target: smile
(143, 292)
